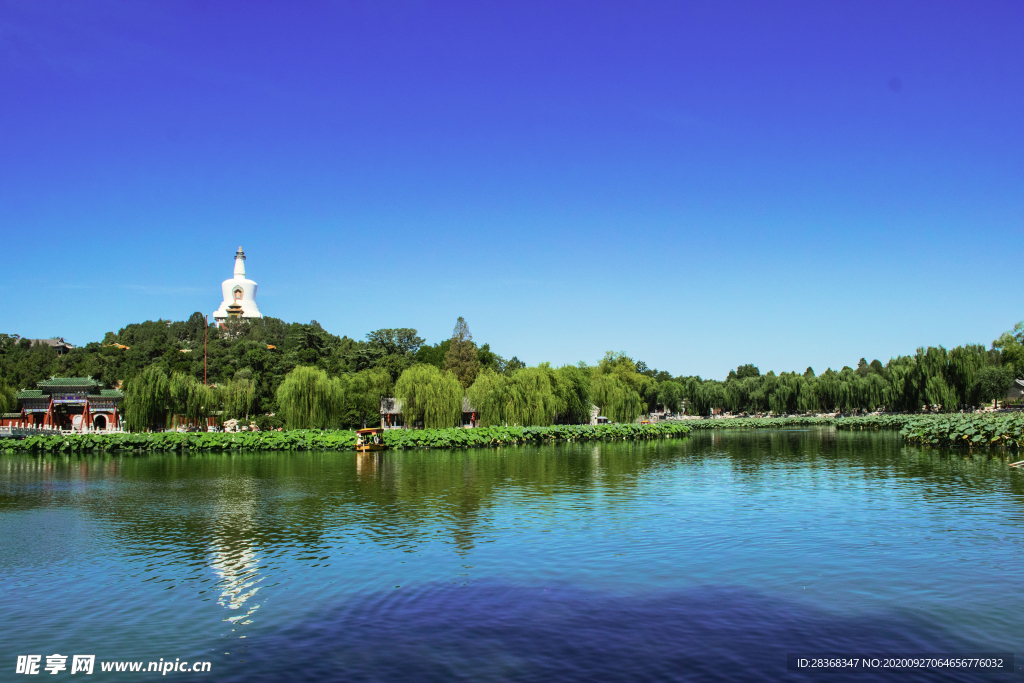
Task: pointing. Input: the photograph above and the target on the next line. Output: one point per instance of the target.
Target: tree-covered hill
(313, 378)
(263, 350)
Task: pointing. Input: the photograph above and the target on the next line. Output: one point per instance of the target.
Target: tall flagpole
(206, 330)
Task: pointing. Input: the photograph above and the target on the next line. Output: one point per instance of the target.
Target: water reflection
(366, 466)
(234, 558)
(703, 541)
(267, 498)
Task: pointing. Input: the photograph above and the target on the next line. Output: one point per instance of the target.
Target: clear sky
(699, 184)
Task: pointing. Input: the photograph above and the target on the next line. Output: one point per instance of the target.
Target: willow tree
(238, 398)
(572, 386)
(623, 367)
(431, 395)
(616, 400)
(309, 399)
(742, 393)
(364, 390)
(872, 392)
(670, 395)
(190, 399)
(700, 400)
(964, 364)
(807, 399)
(487, 395)
(530, 398)
(940, 393)
(146, 400)
(785, 397)
(903, 391)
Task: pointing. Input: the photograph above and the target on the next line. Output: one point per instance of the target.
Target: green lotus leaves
(970, 429)
(341, 440)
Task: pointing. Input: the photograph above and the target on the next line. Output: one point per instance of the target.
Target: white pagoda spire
(240, 264)
(239, 294)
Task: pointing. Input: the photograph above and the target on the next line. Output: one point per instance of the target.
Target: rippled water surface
(707, 558)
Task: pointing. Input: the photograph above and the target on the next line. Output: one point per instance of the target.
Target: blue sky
(698, 184)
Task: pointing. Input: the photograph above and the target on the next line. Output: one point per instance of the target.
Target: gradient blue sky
(698, 184)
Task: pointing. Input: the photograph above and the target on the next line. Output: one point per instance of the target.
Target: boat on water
(371, 439)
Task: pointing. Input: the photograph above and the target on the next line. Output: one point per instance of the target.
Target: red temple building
(77, 404)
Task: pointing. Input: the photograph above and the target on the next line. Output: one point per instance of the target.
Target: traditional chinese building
(57, 343)
(69, 403)
(239, 294)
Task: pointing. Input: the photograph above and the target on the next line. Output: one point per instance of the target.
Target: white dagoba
(239, 294)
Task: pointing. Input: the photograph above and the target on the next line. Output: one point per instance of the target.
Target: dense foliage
(462, 358)
(8, 400)
(534, 396)
(300, 376)
(310, 399)
(619, 390)
(966, 376)
(147, 400)
(340, 440)
(260, 351)
(430, 396)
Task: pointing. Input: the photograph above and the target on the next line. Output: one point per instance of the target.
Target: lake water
(706, 558)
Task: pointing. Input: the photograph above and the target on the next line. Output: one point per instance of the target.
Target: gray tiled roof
(59, 341)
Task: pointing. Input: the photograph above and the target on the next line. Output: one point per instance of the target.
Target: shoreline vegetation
(283, 376)
(970, 431)
(343, 439)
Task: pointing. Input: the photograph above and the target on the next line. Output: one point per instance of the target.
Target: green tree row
(312, 379)
(964, 377)
(508, 395)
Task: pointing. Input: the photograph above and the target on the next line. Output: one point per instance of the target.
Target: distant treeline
(309, 378)
(966, 376)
